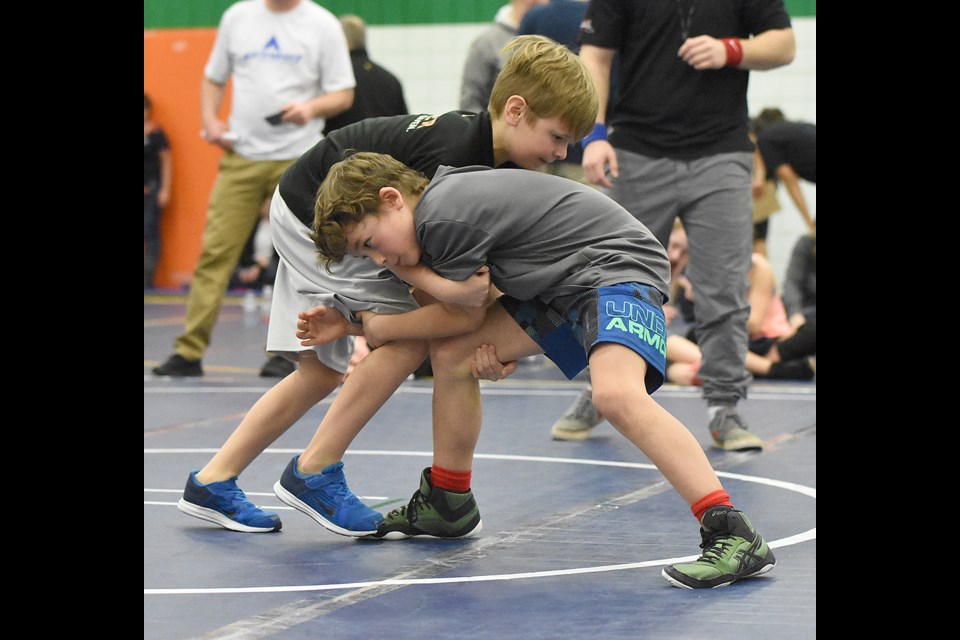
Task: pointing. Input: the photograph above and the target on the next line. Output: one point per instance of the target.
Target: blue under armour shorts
(630, 314)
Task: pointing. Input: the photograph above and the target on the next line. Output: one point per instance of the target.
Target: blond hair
(553, 81)
(355, 30)
(351, 191)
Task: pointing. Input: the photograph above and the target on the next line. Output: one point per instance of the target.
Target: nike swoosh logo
(324, 508)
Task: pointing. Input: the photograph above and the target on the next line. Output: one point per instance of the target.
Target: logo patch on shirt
(587, 27)
(421, 122)
(271, 51)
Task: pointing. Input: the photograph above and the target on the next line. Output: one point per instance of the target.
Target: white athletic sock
(712, 410)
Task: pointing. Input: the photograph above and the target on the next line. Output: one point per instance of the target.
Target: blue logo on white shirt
(271, 51)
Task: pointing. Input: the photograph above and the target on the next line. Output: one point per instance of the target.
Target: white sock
(712, 410)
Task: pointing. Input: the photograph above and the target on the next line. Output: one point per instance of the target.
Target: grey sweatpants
(712, 197)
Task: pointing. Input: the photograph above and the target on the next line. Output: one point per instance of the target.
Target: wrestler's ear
(513, 110)
(391, 197)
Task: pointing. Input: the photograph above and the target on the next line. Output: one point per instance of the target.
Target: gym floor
(575, 534)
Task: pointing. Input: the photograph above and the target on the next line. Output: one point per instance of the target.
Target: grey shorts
(302, 283)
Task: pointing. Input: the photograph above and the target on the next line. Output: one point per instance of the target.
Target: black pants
(801, 344)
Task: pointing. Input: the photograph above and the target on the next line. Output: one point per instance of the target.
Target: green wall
(171, 14)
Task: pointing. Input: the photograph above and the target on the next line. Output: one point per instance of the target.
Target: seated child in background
(777, 351)
(258, 263)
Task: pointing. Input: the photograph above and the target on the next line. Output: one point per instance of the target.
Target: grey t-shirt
(541, 235)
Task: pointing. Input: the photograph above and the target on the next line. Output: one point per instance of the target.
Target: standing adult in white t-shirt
(291, 70)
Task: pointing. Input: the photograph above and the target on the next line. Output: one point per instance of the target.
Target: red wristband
(734, 51)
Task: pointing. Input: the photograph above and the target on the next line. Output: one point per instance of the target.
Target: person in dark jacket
(378, 92)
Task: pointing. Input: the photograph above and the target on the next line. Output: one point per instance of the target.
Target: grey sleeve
(455, 250)
(479, 74)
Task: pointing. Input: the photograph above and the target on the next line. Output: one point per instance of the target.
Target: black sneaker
(432, 513)
(177, 365)
(277, 367)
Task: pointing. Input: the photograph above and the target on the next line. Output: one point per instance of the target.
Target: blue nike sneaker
(326, 498)
(225, 504)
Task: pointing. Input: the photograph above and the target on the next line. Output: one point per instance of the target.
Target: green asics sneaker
(432, 513)
(732, 549)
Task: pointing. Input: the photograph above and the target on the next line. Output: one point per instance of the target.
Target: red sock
(448, 480)
(713, 499)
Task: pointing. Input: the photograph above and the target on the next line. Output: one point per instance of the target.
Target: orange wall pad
(173, 61)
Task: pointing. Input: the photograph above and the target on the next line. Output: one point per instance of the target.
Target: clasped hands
(323, 324)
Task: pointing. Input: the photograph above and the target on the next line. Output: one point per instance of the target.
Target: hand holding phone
(276, 118)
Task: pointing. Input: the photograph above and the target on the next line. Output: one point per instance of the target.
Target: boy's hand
(600, 163)
(486, 366)
(370, 324)
(475, 289)
(320, 325)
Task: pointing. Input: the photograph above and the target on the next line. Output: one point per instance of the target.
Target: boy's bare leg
(732, 548)
(444, 506)
(617, 374)
(683, 358)
(680, 349)
(212, 493)
(314, 482)
(457, 409)
(271, 416)
(365, 390)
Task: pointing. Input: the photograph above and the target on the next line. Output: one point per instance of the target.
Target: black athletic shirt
(666, 107)
(792, 143)
(422, 142)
